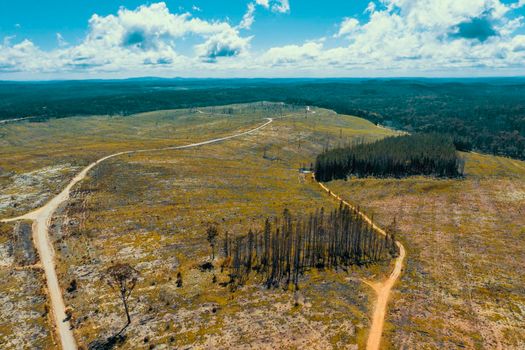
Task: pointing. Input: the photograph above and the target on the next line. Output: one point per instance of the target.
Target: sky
(59, 39)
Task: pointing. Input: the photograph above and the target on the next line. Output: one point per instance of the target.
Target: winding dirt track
(383, 288)
(41, 218)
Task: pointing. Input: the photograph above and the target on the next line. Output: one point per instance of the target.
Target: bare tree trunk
(128, 317)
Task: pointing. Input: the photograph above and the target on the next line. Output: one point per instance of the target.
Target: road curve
(41, 218)
(383, 288)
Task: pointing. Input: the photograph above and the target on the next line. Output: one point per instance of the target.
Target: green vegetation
(420, 154)
(487, 115)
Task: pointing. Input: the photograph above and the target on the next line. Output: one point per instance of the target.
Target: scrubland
(38, 159)
(24, 320)
(462, 286)
(151, 210)
(463, 282)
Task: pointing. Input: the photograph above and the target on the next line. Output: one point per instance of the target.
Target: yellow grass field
(151, 210)
(462, 286)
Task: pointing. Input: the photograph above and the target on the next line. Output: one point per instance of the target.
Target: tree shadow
(108, 343)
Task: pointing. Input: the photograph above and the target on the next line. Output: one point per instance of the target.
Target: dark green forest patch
(401, 156)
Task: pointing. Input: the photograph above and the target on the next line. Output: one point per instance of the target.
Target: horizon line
(268, 78)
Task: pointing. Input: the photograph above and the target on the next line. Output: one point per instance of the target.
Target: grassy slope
(463, 284)
(464, 277)
(38, 159)
(151, 210)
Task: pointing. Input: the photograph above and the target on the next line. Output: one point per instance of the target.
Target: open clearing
(290, 145)
(463, 284)
(383, 287)
(462, 288)
(41, 219)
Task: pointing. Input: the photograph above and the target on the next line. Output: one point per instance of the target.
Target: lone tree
(123, 279)
(211, 235)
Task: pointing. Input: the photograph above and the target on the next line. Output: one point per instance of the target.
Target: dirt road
(5, 121)
(383, 288)
(41, 218)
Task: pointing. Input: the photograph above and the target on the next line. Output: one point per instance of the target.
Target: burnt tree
(284, 250)
(122, 278)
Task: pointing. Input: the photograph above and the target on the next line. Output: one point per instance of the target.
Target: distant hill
(487, 114)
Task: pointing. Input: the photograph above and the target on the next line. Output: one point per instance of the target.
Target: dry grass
(462, 287)
(151, 210)
(463, 284)
(38, 159)
(24, 322)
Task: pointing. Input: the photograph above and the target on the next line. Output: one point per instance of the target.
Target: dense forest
(289, 246)
(487, 115)
(399, 156)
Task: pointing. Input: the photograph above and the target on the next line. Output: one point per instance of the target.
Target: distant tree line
(400, 156)
(486, 115)
(288, 246)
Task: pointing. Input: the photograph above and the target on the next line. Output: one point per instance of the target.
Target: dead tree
(179, 280)
(285, 250)
(122, 278)
(211, 235)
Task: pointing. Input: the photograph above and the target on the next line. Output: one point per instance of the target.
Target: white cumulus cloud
(282, 6)
(248, 18)
(142, 38)
(395, 37)
(420, 36)
(290, 54)
(224, 44)
(371, 8)
(348, 26)
(264, 3)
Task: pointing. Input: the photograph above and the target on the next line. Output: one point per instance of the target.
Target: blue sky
(247, 38)
(70, 18)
